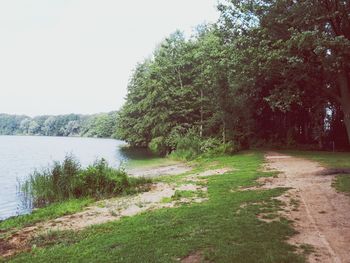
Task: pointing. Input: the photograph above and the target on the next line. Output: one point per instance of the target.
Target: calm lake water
(21, 155)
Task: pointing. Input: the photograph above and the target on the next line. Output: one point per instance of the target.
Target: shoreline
(209, 185)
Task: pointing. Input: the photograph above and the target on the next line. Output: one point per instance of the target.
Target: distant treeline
(98, 125)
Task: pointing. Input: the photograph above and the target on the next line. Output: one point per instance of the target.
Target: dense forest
(98, 125)
(267, 73)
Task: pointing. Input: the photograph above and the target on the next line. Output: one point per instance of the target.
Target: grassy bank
(223, 229)
(66, 188)
(45, 213)
(336, 160)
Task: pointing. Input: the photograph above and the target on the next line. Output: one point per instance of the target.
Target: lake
(21, 155)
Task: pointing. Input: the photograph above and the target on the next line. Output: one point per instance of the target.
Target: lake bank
(22, 155)
(183, 217)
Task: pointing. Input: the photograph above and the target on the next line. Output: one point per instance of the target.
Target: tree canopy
(267, 72)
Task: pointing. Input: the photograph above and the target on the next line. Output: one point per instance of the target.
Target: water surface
(21, 155)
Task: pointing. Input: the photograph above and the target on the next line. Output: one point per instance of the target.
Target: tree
(297, 45)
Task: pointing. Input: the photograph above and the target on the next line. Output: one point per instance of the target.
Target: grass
(342, 183)
(223, 229)
(331, 160)
(42, 214)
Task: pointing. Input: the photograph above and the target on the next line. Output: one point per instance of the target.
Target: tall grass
(67, 179)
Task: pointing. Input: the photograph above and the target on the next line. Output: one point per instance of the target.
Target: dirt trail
(323, 215)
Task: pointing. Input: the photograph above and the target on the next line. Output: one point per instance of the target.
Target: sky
(76, 56)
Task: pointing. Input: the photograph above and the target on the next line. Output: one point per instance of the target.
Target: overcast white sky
(67, 56)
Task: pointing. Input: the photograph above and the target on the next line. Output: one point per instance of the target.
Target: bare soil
(102, 212)
(195, 257)
(160, 171)
(320, 214)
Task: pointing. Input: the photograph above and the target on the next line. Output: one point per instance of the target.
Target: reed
(66, 180)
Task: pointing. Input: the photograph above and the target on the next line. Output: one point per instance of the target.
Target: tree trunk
(180, 79)
(346, 112)
(201, 125)
(224, 132)
(306, 132)
(344, 87)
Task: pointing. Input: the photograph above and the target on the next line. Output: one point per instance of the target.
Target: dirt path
(323, 215)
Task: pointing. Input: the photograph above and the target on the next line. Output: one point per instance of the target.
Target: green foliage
(158, 146)
(68, 180)
(267, 72)
(98, 125)
(209, 144)
(190, 145)
(224, 148)
(100, 180)
(187, 146)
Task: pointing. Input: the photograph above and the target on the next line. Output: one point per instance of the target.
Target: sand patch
(102, 212)
(175, 169)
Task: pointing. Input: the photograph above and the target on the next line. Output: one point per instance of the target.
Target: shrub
(226, 148)
(187, 146)
(208, 145)
(68, 180)
(190, 145)
(159, 146)
(100, 180)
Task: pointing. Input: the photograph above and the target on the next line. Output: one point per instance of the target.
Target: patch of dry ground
(320, 214)
(160, 171)
(195, 257)
(199, 177)
(116, 208)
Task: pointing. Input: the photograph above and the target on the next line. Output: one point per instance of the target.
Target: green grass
(342, 183)
(183, 194)
(331, 160)
(223, 229)
(42, 214)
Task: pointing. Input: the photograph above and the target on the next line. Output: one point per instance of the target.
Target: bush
(188, 146)
(158, 146)
(99, 180)
(226, 148)
(68, 180)
(208, 145)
